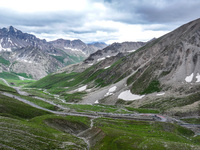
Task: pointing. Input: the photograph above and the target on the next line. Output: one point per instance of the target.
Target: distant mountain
(110, 53)
(113, 50)
(101, 45)
(77, 46)
(25, 53)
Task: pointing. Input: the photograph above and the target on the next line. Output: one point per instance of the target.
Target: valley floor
(36, 119)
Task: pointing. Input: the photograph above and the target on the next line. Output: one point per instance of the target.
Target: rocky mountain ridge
(113, 50)
(109, 54)
(28, 54)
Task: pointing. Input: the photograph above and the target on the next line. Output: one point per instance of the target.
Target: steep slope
(172, 60)
(32, 61)
(163, 74)
(169, 65)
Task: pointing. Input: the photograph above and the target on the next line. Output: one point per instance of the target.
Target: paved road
(90, 115)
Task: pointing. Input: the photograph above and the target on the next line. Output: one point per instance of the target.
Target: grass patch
(7, 75)
(96, 108)
(74, 97)
(23, 75)
(6, 88)
(35, 134)
(4, 61)
(59, 58)
(192, 120)
(2, 82)
(170, 102)
(19, 82)
(154, 86)
(16, 108)
(144, 82)
(72, 80)
(76, 59)
(53, 81)
(141, 110)
(40, 102)
(129, 134)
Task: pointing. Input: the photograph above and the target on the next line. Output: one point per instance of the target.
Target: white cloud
(107, 31)
(31, 6)
(97, 20)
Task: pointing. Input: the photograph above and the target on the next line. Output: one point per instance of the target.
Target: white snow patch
(110, 91)
(107, 67)
(108, 56)
(96, 102)
(27, 61)
(83, 88)
(23, 59)
(21, 78)
(7, 49)
(88, 90)
(90, 64)
(160, 94)
(74, 49)
(128, 96)
(3, 49)
(10, 41)
(198, 77)
(100, 59)
(131, 51)
(15, 30)
(189, 78)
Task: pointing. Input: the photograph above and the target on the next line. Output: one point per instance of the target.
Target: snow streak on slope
(189, 78)
(128, 96)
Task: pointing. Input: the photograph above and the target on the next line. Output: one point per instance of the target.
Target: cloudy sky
(98, 20)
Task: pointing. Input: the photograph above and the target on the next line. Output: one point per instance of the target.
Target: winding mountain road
(137, 116)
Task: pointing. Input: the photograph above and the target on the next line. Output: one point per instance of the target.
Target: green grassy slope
(25, 127)
(127, 134)
(4, 61)
(36, 134)
(91, 75)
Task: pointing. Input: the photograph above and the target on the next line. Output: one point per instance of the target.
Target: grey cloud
(168, 14)
(109, 1)
(93, 30)
(42, 19)
(155, 11)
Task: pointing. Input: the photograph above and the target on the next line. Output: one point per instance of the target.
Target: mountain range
(161, 71)
(25, 53)
(113, 52)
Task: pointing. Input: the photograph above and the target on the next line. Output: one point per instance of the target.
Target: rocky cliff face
(28, 54)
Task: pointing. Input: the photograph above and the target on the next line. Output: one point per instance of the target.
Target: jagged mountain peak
(12, 29)
(23, 49)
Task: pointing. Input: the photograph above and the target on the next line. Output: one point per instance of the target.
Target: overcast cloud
(98, 20)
